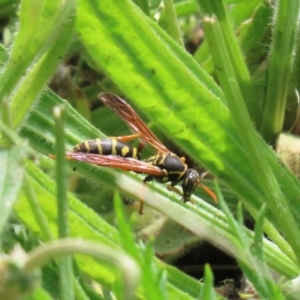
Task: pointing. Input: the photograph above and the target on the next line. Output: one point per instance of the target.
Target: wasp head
(189, 183)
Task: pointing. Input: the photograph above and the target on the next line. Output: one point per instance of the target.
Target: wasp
(114, 152)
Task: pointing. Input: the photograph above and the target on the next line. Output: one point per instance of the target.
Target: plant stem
(173, 27)
(36, 209)
(282, 50)
(235, 55)
(129, 268)
(143, 5)
(65, 265)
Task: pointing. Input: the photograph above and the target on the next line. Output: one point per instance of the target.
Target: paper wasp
(114, 152)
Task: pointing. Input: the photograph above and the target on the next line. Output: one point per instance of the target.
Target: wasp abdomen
(108, 146)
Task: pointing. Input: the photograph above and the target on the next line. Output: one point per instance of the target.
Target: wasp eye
(189, 183)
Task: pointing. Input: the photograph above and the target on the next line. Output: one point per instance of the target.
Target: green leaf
(226, 34)
(253, 37)
(3, 55)
(40, 294)
(11, 178)
(259, 234)
(34, 60)
(208, 291)
(184, 282)
(65, 262)
(127, 237)
(281, 62)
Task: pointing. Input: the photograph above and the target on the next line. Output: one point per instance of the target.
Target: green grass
(223, 107)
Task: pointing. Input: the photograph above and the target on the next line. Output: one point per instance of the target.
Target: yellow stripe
(124, 151)
(165, 179)
(186, 181)
(134, 153)
(99, 146)
(113, 147)
(87, 146)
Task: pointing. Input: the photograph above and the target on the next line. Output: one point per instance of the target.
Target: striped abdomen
(108, 146)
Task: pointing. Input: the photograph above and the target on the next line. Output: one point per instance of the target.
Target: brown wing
(131, 118)
(124, 163)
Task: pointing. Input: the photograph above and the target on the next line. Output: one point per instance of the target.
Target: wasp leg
(141, 207)
(126, 138)
(204, 174)
(141, 201)
(146, 179)
(172, 188)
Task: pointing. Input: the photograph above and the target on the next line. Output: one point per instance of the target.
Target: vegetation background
(217, 81)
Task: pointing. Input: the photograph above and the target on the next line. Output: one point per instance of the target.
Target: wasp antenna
(204, 174)
(209, 192)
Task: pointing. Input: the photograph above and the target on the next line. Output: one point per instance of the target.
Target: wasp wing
(123, 163)
(131, 118)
